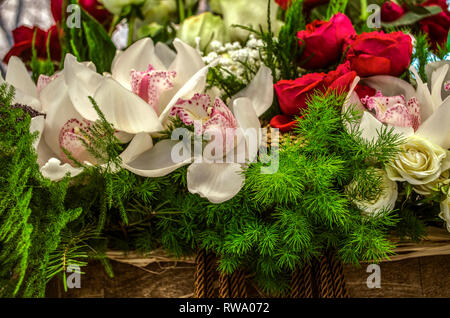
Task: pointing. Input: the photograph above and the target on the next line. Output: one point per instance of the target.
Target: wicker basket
(323, 278)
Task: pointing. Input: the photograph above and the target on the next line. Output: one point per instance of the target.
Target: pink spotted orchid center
(151, 84)
(207, 119)
(394, 110)
(70, 138)
(447, 86)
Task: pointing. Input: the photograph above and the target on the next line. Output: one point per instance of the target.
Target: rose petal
(218, 182)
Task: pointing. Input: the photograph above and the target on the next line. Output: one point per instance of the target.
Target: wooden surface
(417, 277)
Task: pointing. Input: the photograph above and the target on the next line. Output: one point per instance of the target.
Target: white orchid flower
(142, 75)
(137, 97)
(434, 113)
(61, 128)
(26, 92)
(218, 182)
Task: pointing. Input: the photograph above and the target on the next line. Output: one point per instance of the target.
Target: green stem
(181, 10)
(364, 13)
(131, 30)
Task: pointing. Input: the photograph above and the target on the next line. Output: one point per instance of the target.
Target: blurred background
(14, 13)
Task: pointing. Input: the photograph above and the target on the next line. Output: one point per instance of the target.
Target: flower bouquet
(279, 139)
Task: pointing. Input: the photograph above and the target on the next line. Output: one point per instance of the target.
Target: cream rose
(445, 211)
(426, 189)
(419, 162)
(385, 200)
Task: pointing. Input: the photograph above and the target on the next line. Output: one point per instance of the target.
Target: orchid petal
(138, 145)
(196, 84)
(26, 91)
(437, 81)
(37, 125)
(218, 182)
(370, 128)
(187, 62)
(125, 110)
(18, 76)
(390, 86)
(82, 82)
(423, 95)
(260, 90)
(437, 128)
(157, 161)
(165, 54)
(249, 124)
(59, 110)
(56, 171)
(137, 57)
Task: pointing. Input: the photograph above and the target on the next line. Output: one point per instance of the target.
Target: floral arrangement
(265, 133)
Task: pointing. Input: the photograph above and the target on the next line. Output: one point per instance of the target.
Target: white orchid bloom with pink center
(407, 110)
(216, 180)
(64, 128)
(394, 110)
(145, 82)
(26, 92)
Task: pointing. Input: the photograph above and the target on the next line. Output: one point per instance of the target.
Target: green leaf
(91, 42)
(413, 17)
(448, 41)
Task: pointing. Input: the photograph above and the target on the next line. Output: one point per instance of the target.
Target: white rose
(426, 189)
(445, 211)
(419, 162)
(385, 200)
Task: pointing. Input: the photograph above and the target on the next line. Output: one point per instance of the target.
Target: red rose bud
(325, 41)
(23, 44)
(390, 11)
(436, 26)
(377, 53)
(294, 94)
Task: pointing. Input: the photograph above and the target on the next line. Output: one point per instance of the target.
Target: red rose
(293, 94)
(93, 7)
(23, 43)
(436, 26)
(390, 11)
(377, 53)
(325, 41)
